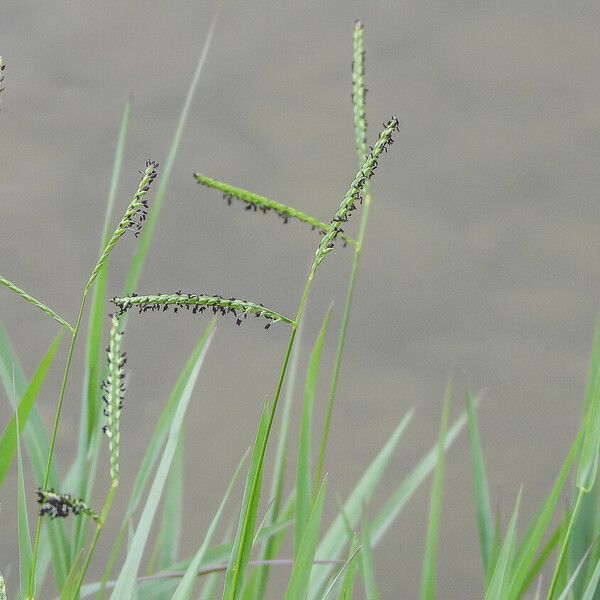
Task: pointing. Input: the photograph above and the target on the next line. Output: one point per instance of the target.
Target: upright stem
(565, 544)
(341, 341)
(61, 398)
(88, 558)
(286, 359)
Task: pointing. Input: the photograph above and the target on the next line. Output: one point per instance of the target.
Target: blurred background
(481, 258)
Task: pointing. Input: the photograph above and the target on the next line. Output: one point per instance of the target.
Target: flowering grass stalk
(198, 303)
(257, 202)
(33, 301)
(133, 218)
(360, 131)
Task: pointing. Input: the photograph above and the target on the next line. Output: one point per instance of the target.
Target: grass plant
(326, 557)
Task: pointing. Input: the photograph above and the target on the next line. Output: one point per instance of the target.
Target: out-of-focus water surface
(482, 253)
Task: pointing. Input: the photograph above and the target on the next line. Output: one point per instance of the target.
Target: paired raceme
(258, 202)
(359, 92)
(198, 303)
(60, 506)
(2, 67)
(133, 219)
(35, 302)
(354, 194)
(114, 393)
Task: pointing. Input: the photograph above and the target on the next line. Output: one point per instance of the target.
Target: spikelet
(354, 194)
(359, 93)
(35, 302)
(2, 67)
(133, 219)
(260, 203)
(113, 389)
(60, 506)
(198, 303)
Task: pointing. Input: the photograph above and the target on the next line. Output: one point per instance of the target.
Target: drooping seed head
(60, 506)
(113, 389)
(197, 304)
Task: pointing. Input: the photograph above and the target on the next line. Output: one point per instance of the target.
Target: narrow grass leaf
(485, 521)
(36, 442)
(334, 539)
(592, 583)
(69, 590)
(588, 461)
(582, 535)
(304, 491)
(152, 453)
(343, 582)
(170, 529)
(126, 580)
(433, 523)
(257, 582)
(298, 584)
(526, 551)
(366, 560)
(25, 551)
(186, 585)
(9, 437)
(498, 583)
(215, 555)
(2, 588)
(244, 537)
(411, 483)
(567, 591)
(538, 589)
(536, 567)
(139, 258)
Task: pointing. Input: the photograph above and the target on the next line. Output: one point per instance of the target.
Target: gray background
(481, 255)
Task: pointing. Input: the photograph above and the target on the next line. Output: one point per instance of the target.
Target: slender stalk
(57, 414)
(360, 132)
(341, 341)
(565, 544)
(104, 514)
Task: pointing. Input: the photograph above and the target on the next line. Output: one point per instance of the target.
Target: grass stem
(57, 415)
(88, 558)
(341, 341)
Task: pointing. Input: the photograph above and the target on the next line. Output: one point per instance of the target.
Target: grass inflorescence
(359, 92)
(2, 67)
(59, 505)
(197, 304)
(318, 569)
(354, 195)
(133, 219)
(35, 302)
(260, 203)
(113, 388)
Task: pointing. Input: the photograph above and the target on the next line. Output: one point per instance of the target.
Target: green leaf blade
(126, 580)
(429, 564)
(304, 491)
(299, 581)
